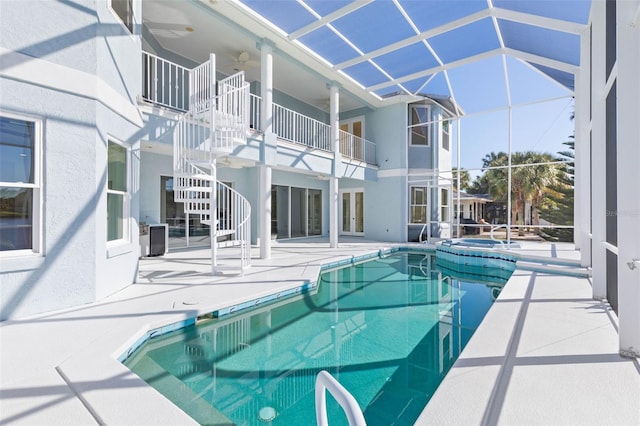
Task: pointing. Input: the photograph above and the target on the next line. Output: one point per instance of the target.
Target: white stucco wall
(51, 73)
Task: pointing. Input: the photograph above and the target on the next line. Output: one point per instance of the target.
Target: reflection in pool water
(387, 329)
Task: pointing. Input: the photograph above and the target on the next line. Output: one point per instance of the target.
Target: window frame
(129, 26)
(444, 122)
(37, 244)
(428, 125)
(126, 196)
(444, 205)
(413, 205)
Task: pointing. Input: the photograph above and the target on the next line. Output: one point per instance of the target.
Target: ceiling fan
(242, 61)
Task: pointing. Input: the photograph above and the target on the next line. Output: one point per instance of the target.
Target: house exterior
(119, 133)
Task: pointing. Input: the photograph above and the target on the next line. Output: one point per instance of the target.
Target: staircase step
(229, 243)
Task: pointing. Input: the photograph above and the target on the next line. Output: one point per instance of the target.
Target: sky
(540, 115)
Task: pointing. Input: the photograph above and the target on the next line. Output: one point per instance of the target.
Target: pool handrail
(494, 238)
(325, 381)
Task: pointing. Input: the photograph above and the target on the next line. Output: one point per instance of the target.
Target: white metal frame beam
(528, 57)
(343, 11)
(415, 39)
(495, 13)
(437, 69)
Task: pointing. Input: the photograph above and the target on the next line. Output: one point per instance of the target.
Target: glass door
(352, 212)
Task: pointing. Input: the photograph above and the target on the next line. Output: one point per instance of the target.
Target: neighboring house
(107, 125)
(474, 212)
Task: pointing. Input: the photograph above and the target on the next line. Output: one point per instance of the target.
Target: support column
(334, 119)
(213, 200)
(213, 217)
(599, 154)
(264, 213)
(628, 158)
(269, 147)
(458, 209)
(582, 141)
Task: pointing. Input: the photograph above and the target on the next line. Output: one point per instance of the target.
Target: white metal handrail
(493, 238)
(325, 381)
(358, 148)
(202, 87)
(255, 109)
(234, 212)
(295, 127)
(165, 83)
(232, 111)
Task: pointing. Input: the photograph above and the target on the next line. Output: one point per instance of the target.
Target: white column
(333, 184)
(598, 166)
(509, 201)
(628, 161)
(265, 213)
(582, 174)
(266, 125)
(213, 217)
(458, 137)
(213, 200)
(266, 87)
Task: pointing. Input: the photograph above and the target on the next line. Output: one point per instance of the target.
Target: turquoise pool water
(387, 329)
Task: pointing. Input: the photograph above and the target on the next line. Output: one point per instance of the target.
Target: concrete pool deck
(545, 354)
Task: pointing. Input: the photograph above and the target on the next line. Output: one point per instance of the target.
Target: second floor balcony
(166, 84)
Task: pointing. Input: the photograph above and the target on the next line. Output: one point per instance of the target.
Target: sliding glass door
(295, 212)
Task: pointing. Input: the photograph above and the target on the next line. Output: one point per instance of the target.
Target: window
(444, 205)
(19, 184)
(124, 10)
(117, 197)
(418, 207)
(418, 125)
(445, 135)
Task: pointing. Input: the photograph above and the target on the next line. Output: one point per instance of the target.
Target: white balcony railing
(165, 83)
(170, 85)
(295, 127)
(355, 147)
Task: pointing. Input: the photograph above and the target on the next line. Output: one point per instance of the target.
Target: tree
(557, 208)
(465, 179)
(531, 183)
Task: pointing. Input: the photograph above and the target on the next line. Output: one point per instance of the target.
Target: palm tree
(529, 184)
(465, 179)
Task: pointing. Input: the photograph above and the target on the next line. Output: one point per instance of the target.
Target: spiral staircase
(217, 121)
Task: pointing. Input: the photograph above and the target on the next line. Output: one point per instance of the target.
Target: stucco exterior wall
(54, 75)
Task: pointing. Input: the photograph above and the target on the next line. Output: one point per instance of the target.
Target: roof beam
(437, 69)
(529, 57)
(329, 18)
(538, 21)
(541, 60)
(416, 38)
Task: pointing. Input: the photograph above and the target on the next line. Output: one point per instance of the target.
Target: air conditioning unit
(154, 240)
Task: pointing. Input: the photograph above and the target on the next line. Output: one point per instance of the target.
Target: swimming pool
(388, 329)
